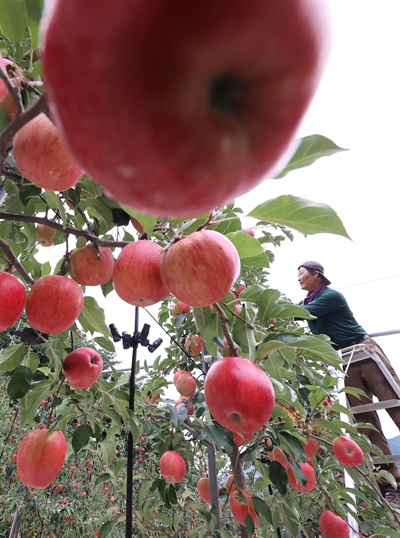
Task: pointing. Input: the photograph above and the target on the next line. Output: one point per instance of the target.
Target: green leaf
(262, 509)
(92, 317)
(13, 19)
(300, 214)
(248, 246)
(385, 532)
(172, 494)
(108, 450)
(81, 437)
(222, 438)
(178, 415)
(107, 528)
(31, 401)
(278, 477)
(105, 343)
(11, 357)
(249, 524)
(144, 489)
(310, 149)
(20, 382)
(105, 477)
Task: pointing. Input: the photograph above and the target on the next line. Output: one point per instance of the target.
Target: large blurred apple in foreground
(239, 394)
(200, 269)
(12, 299)
(40, 457)
(179, 106)
(82, 367)
(54, 304)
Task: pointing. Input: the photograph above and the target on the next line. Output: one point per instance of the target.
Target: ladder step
(392, 458)
(374, 406)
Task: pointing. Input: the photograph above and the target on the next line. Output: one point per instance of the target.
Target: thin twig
(227, 334)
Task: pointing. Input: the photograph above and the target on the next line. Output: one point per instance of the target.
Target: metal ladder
(350, 355)
(361, 352)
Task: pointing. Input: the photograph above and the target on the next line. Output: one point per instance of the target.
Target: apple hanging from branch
(136, 274)
(92, 265)
(13, 296)
(54, 303)
(40, 457)
(82, 367)
(239, 394)
(200, 269)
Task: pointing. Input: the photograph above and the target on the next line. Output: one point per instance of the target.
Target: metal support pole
(129, 480)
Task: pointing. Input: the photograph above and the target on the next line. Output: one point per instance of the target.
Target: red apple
(91, 265)
(333, 526)
(13, 296)
(136, 275)
(279, 456)
(190, 406)
(308, 473)
(178, 374)
(180, 308)
(241, 504)
(172, 466)
(347, 451)
(54, 304)
(40, 457)
(201, 268)
(82, 367)
(204, 489)
(193, 344)
(249, 231)
(208, 107)
(311, 447)
(186, 385)
(42, 157)
(239, 394)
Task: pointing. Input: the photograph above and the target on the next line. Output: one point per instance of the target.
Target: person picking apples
(334, 318)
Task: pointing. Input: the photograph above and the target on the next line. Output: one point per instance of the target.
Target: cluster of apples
(185, 383)
(347, 451)
(42, 453)
(189, 269)
(143, 274)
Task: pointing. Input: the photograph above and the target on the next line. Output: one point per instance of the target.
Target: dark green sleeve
(326, 302)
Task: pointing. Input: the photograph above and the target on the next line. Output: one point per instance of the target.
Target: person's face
(308, 280)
